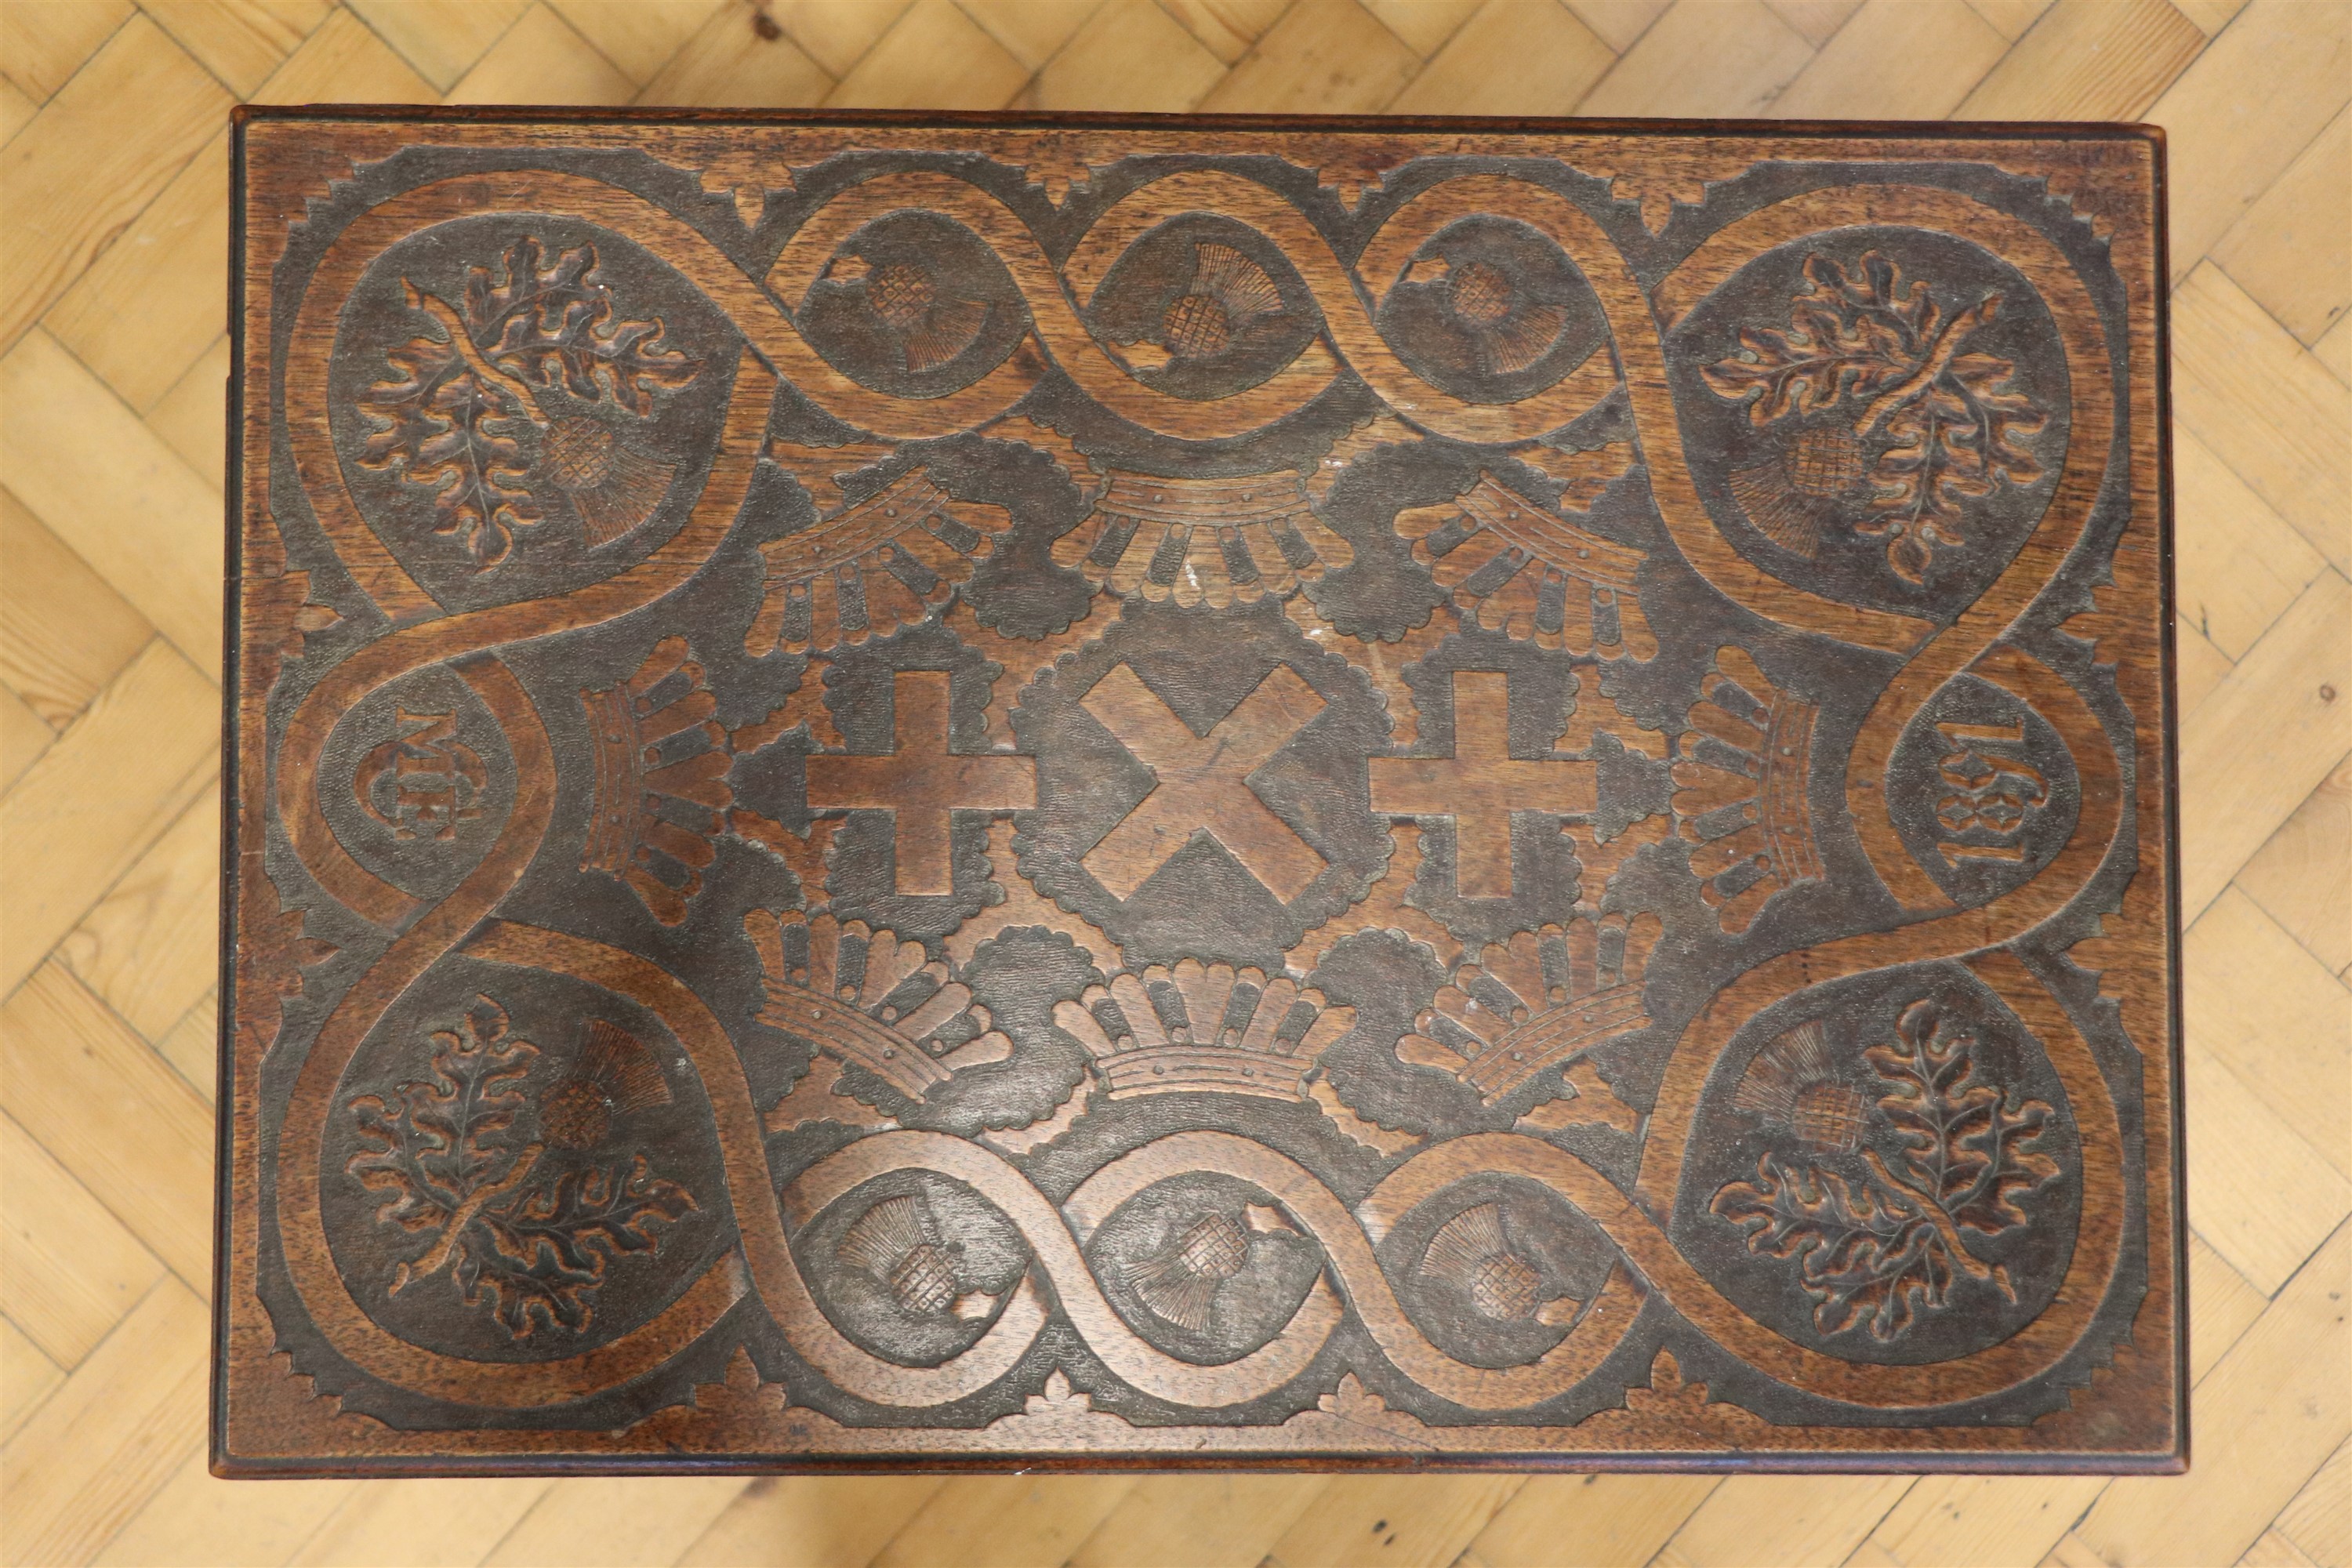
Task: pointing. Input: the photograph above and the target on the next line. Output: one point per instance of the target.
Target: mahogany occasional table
(995, 792)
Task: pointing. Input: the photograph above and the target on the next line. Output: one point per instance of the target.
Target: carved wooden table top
(1012, 793)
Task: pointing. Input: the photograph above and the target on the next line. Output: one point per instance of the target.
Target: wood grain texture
(345, 59)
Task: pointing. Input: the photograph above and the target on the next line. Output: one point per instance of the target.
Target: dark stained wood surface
(1015, 793)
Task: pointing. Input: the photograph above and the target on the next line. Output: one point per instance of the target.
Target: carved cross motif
(920, 781)
(1481, 784)
(1203, 783)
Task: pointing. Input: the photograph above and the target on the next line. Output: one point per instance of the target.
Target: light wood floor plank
(199, 1522)
(640, 37)
(2222, 1308)
(2319, 1520)
(42, 46)
(1905, 57)
(2255, 748)
(345, 61)
(101, 480)
(810, 1522)
(150, 947)
(718, 67)
(837, 34)
(239, 41)
(2242, 112)
(934, 57)
(68, 1269)
(193, 1046)
(27, 1376)
(613, 1521)
(83, 169)
(112, 1111)
(1031, 33)
(2267, 408)
(17, 110)
(150, 307)
(1515, 57)
(1362, 1521)
(2275, 1016)
(1819, 20)
(2275, 1550)
(192, 415)
(1201, 1521)
(1325, 55)
(23, 736)
(442, 39)
(1425, 27)
(420, 1523)
(2289, 252)
(2089, 59)
(2237, 564)
(2267, 1416)
(64, 632)
(2012, 19)
(1964, 1522)
(2210, 15)
(1621, 23)
(2302, 877)
(1004, 1522)
(1607, 1521)
(1704, 57)
(110, 1437)
(2335, 351)
(1129, 56)
(91, 807)
(2200, 668)
(543, 59)
(2263, 1196)
(1774, 1519)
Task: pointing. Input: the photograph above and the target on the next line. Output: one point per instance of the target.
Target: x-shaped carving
(1203, 783)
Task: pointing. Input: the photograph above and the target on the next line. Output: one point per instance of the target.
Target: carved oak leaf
(1860, 1260)
(1968, 1147)
(550, 1248)
(1876, 1250)
(448, 1140)
(552, 323)
(1954, 426)
(444, 426)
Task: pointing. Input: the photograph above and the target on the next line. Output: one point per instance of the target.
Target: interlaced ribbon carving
(1349, 296)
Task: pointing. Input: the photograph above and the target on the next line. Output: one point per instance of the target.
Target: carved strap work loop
(1242, 686)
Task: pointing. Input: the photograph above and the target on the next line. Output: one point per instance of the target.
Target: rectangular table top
(1005, 791)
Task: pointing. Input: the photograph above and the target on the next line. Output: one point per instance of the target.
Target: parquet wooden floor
(113, 177)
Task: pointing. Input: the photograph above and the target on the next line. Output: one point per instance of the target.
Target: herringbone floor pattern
(113, 174)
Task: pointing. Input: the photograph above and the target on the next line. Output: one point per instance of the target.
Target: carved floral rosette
(1070, 801)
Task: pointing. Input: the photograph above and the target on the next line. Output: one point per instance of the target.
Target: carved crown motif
(1740, 794)
(1216, 541)
(1203, 1027)
(1536, 1001)
(867, 999)
(661, 789)
(866, 568)
(1523, 569)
